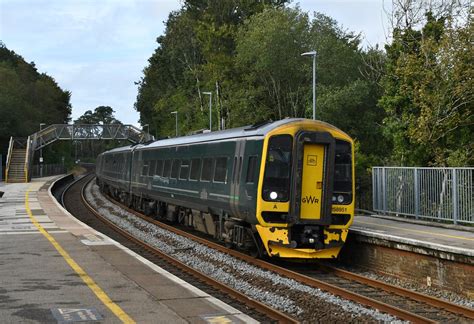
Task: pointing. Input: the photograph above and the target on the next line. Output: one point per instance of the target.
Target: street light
(148, 130)
(41, 150)
(176, 115)
(210, 108)
(313, 54)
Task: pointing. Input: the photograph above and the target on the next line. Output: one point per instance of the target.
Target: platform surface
(447, 240)
(39, 283)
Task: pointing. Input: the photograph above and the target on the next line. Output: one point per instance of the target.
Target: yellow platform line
(417, 231)
(81, 273)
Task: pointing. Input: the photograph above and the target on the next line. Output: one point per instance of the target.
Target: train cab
(306, 191)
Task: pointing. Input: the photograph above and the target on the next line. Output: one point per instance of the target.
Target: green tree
(89, 149)
(277, 81)
(269, 48)
(100, 115)
(428, 92)
(27, 98)
(196, 54)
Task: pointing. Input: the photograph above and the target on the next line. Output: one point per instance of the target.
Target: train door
(312, 187)
(312, 181)
(236, 177)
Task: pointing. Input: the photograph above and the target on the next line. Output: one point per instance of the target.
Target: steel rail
(69, 185)
(315, 283)
(264, 309)
(433, 301)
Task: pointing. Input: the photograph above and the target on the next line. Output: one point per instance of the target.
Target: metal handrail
(9, 156)
(27, 159)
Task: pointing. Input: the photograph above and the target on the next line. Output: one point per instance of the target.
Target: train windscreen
(276, 182)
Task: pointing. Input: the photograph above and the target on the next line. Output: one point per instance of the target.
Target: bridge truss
(60, 132)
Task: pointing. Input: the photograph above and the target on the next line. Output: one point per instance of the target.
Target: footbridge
(21, 150)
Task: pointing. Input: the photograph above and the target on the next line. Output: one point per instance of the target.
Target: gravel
(305, 303)
(407, 284)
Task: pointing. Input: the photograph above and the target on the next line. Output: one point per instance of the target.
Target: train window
(144, 168)
(251, 169)
(151, 170)
(159, 168)
(276, 181)
(167, 169)
(221, 170)
(184, 171)
(195, 168)
(206, 172)
(175, 169)
(342, 185)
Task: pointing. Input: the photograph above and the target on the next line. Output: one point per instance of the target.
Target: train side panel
(115, 172)
(211, 177)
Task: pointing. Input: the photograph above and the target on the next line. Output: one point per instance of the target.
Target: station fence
(48, 170)
(440, 194)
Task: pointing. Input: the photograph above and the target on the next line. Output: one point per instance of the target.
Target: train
(282, 189)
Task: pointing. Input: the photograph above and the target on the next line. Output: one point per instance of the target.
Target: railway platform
(57, 269)
(451, 242)
(430, 255)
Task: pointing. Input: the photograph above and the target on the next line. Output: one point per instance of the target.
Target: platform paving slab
(37, 285)
(423, 236)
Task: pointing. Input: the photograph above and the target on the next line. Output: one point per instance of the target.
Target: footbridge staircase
(21, 150)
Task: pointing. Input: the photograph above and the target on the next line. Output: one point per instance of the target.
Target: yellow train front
(306, 190)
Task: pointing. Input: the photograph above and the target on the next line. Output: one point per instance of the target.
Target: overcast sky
(97, 49)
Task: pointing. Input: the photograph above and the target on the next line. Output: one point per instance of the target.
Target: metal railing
(27, 159)
(48, 170)
(442, 194)
(56, 132)
(9, 156)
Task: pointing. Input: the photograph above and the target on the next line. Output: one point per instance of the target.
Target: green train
(283, 189)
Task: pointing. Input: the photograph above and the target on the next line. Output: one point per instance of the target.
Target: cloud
(367, 17)
(95, 49)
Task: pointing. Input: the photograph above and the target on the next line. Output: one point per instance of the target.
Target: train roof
(120, 149)
(257, 130)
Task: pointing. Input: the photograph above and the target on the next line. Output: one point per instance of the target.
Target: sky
(97, 49)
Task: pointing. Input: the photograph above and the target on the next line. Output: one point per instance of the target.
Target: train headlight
(334, 198)
(340, 199)
(273, 195)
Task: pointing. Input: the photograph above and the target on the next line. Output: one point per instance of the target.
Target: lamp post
(147, 130)
(176, 115)
(41, 150)
(313, 54)
(210, 108)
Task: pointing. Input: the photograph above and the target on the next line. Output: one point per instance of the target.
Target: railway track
(402, 303)
(424, 305)
(94, 219)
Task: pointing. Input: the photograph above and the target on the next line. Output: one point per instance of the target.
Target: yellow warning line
(82, 274)
(417, 231)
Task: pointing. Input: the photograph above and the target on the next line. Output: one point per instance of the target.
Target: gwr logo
(310, 200)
